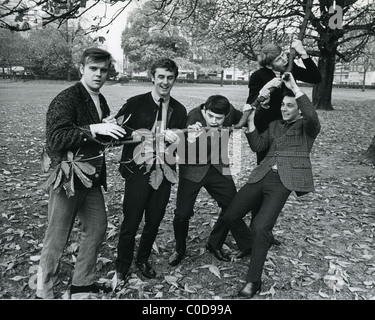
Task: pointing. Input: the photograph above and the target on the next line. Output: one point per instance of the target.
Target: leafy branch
(63, 175)
(153, 161)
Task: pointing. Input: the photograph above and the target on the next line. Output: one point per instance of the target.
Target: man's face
(280, 62)
(163, 82)
(289, 109)
(94, 73)
(213, 119)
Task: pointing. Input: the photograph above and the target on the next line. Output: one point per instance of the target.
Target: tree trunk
(365, 66)
(322, 92)
(370, 152)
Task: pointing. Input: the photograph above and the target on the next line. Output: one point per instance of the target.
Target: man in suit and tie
(156, 113)
(206, 165)
(285, 168)
(74, 119)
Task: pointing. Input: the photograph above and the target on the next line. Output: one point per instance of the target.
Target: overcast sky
(113, 37)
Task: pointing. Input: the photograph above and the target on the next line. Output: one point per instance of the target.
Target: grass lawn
(327, 237)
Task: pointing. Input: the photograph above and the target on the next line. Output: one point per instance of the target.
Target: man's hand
(289, 81)
(265, 93)
(274, 83)
(171, 136)
(107, 129)
(301, 51)
(195, 130)
(250, 121)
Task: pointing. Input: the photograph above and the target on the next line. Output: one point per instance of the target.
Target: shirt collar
(156, 98)
(290, 122)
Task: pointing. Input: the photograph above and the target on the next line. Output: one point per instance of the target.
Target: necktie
(160, 116)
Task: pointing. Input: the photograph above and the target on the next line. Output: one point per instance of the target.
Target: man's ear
(81, 67)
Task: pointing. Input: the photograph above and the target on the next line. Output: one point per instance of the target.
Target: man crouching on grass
(74, 118)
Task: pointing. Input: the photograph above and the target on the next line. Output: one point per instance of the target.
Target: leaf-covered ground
(327, 250)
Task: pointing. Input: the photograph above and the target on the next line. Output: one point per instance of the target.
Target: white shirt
(156, 98)
(95, 97)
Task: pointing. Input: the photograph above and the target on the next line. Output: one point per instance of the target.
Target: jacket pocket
(301, 164)
(294, 137)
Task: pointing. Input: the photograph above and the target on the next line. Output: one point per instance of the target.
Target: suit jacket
(70, 109)
(143, 111)
(289, 146)
(259, 78)
(196, 172)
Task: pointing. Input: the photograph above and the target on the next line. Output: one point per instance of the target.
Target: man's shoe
(241, 254)
(93, 288)
(175, 259)
(121, 276)
(146, 269)
(219, 254)
(88, 292)
(274, 242)
(250, 289)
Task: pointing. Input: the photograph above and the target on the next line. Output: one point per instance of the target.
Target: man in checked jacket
(285, 168)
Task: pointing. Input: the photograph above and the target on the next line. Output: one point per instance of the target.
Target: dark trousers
(220, 188)
(269, 195)
(140, 198)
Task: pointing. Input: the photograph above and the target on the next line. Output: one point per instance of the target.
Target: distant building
(355, 72)
(235, 74)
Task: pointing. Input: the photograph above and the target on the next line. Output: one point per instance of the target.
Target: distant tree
(56, 51)
(143, 39)
(12, 50)
(337, 30)
(112, 74)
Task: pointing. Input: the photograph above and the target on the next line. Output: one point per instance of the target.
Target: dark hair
(165, 63)
(96, 54)
(289, 93)
(268, 53)
(218, 104)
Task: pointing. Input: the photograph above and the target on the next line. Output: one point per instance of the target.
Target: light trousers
(88, 205)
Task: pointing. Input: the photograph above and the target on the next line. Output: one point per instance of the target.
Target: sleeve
(62, 132)
(256, 83)
(194, 116)
(124, 114)
(258, 142)
(309, 74)
(310, 117)
(183, 123)
(237, 115)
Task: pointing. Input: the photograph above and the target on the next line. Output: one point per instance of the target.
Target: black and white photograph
(187, 156)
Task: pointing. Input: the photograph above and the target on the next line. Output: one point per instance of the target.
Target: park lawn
(327, 237)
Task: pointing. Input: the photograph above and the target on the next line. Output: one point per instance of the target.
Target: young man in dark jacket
(74, 118)
(206, 165)
(152, 114)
